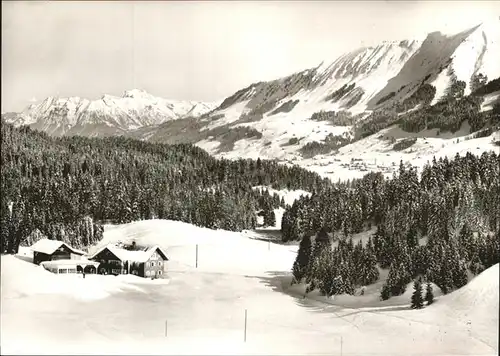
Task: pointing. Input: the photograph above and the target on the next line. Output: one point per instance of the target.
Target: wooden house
(52, 250)
(144, 262)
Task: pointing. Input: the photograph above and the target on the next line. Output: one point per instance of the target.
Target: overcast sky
(197, 50)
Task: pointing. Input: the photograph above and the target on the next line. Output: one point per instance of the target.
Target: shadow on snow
(280, 281)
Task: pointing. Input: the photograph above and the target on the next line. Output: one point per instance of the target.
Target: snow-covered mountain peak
(137, 94)
(107, 97)
(108, 115)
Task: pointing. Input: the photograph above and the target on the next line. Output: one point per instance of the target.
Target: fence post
(245, 334)
(166, 328)
(340, 345)
(196, 255)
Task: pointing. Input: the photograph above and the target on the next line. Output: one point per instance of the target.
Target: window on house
(159, 263)
(159, 272)
(152, 264)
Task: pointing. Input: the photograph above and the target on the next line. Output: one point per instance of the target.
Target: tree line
(440, 227)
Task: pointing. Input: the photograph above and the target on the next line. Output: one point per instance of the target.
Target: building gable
(160, 253)
(105, 254)
(62, 249)
(157, 254)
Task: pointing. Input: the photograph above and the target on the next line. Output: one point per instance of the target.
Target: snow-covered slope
(359, 82)
(202, 310)
(475, 306)
(107, 115)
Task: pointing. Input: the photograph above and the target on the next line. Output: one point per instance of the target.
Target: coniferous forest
(441, 227)
(66, 188)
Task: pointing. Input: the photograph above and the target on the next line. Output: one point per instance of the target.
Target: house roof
(135, 256)
(50, 246)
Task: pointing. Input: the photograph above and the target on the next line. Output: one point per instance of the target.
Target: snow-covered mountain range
(276, 119)
(109, 115)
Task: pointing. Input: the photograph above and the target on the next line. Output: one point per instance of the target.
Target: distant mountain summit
(109, 115)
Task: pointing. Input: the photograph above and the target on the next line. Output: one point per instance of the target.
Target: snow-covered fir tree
(302, 260)
(417, 301)
(429, 295)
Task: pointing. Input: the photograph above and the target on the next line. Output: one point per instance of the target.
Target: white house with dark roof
(147, 261)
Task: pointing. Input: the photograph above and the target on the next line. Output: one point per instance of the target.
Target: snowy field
(375, 153)
(202, 310)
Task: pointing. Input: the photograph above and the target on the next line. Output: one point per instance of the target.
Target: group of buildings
(59, 257)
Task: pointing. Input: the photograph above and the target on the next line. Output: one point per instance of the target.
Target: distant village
(60, 258)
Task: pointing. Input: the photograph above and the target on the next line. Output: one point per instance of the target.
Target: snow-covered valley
(202, 310)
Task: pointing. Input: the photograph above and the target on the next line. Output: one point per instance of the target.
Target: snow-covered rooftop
(128, 255)
(50, 246)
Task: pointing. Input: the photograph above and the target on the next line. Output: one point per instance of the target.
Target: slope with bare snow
(202, 310)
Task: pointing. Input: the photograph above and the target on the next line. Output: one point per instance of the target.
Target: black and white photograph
(250, 178)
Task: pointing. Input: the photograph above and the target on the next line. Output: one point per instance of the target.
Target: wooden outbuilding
(52, 250)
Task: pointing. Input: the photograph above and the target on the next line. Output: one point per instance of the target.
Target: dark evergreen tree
(412, 237)
(467, 246)
(302, 260)
(319, 256)
(269, 217)
(398, 279)
(369, 272)
(429, 295)
(417, 301)
(385, 293)
(321, 243)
